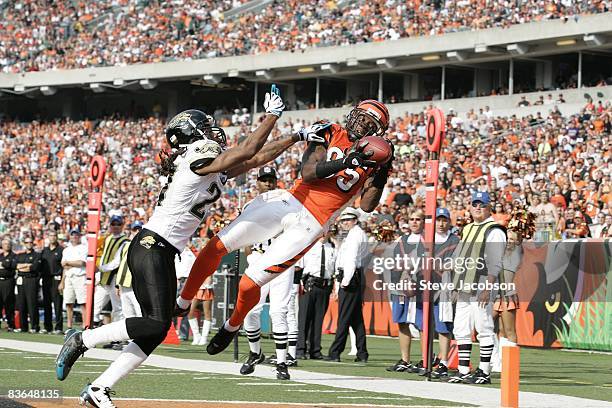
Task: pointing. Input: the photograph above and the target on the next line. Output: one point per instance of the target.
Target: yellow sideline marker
(511, 368)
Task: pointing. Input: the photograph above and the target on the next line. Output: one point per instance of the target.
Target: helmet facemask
(360, 123)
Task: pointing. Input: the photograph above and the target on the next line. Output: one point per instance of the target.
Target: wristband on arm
(327, 168)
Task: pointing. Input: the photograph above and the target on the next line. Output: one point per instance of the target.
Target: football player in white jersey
(282, 314)
(196, 171)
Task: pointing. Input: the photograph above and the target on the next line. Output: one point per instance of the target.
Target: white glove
(273, 103)
(313, 133)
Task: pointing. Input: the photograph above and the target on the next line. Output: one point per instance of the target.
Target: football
(380, 146)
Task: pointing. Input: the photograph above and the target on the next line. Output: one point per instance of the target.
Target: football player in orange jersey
(333, 174)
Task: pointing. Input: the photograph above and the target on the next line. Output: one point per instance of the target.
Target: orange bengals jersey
(325, 197)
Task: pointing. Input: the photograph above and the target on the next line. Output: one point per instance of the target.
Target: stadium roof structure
(524, 41)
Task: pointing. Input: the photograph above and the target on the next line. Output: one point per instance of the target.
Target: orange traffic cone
(171, 337)
(453, 356)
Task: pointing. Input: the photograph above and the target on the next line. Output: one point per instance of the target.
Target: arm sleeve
(114, 264)
(494, 251)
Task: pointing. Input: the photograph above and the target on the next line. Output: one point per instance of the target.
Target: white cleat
(97, 397)
(196, 340)
(203, 341)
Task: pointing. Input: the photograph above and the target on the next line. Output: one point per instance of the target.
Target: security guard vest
(471, 253)
(111, 246)
(124, 276)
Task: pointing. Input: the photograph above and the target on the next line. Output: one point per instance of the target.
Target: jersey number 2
(199, 210)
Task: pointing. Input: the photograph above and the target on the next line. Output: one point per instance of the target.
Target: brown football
(380, 147)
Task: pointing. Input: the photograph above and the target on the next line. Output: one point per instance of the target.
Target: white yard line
(458, 393)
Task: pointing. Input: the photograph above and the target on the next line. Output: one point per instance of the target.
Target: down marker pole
(435, 135)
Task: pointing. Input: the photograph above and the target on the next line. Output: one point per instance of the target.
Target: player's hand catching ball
(313, 133)
(273, 103)
(359, 157)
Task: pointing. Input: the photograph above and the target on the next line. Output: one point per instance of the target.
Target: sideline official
(350, 295)
(51, 277)
(483, 242)
(28, 272)
(317, 268)
(8, 264)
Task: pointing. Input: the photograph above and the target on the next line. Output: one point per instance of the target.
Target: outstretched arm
(268, 153)
(244, 151)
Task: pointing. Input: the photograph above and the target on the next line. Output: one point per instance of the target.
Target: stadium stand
(39, 35)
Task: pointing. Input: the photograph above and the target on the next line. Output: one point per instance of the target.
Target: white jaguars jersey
(185, 199)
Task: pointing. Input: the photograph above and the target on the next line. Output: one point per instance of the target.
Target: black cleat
(416, 368)
(399, 367)
(72, 349)
(291, 361)
(479, 377)
(249, 366)
(459, 378)
(281, 372)
(220, 341)
(440, 372)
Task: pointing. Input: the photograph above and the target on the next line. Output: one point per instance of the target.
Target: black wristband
(327, 168)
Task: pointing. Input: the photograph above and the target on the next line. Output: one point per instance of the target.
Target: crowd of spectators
(37, 35)
(557, 166)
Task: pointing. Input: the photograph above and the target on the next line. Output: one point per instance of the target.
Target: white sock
(129, 359)
(255, 347)
(206, 330)
(195, 327)
(292, 350)
(227, 326)
(281, 355)
(116, 331)
(444, 363)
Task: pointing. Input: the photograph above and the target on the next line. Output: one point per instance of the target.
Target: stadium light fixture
(385, 63)
(212, 79)
(232, 73)
(434, 57)
(456, 55)
(264, 73)
(19, 88)
(147, 83)
(480, 48)
(593, 40)
(96, 87)
(118, 82)
(48, 90)
(517, 49)
(352, 62)
(332, 68)
(563, 43)
(305, 70)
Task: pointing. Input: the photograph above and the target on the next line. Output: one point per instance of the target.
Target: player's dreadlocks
(167, 161)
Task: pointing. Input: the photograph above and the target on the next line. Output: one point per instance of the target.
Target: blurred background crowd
(37, 35)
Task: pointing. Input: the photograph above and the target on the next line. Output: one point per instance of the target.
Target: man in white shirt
(72, 284)
(350, 297)
(317, 267)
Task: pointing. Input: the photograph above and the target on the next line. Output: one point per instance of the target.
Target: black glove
(359, 158)
(179, 312)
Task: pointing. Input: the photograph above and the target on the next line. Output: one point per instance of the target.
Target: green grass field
(586, 375)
